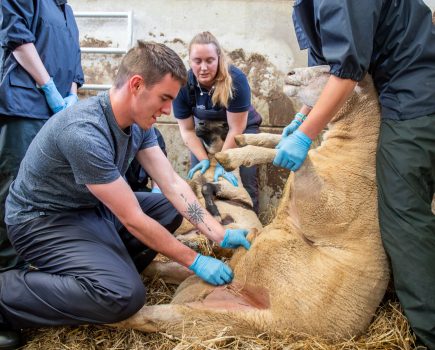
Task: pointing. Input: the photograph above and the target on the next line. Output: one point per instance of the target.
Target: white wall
(431, 4)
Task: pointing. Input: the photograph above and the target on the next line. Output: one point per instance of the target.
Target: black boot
(10, 340)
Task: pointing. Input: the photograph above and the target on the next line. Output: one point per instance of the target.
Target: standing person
(394, 41)
(215, 92)
(74, 218)
(40, 72)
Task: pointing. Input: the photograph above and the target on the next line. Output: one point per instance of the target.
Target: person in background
(40, 72)
(215, 92)
(394, 41)
(72, 216)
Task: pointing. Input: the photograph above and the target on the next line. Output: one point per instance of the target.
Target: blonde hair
(223, 82)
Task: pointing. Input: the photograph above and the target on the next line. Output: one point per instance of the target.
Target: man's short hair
(152, 61)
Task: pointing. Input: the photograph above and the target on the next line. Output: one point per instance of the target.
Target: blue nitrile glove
(53, 97)
(235, 238)
(295, 123)
(156, 190)
(292, 151)
(228, 175)
(70, 99)
(202, 166)
(211, 270)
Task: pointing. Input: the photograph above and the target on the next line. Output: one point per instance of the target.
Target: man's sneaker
(9, 340)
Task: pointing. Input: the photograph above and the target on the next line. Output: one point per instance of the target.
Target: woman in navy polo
(215, 101)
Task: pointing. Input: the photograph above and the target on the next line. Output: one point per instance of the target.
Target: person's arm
(121, 201)
(73, 89)
(293, 149)
(27, 56)
(179, 193)
(305, 110)
(236, 125)
(334, 95)
(193, 143)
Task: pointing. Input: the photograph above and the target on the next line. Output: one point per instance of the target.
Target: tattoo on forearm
(195, 213)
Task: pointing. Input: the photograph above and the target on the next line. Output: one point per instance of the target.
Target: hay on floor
(389, 330)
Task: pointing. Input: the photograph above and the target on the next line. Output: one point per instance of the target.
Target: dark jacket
(51, 26)
(393, 40)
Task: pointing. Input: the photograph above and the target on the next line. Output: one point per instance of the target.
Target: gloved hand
(53, 97)
(292, 151)
(70, 99)
(228, 175)
(156, 190)
(235, 238)
(295, 123)
(211, 270)
(202, 166)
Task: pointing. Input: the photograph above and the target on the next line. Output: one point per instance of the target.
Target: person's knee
(133, 301)
(121, 302)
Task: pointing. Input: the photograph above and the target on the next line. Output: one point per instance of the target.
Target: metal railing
(107, 50)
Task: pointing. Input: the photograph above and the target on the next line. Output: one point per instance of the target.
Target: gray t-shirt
(80, 145)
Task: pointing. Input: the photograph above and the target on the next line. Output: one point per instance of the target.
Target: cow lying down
(319, 268)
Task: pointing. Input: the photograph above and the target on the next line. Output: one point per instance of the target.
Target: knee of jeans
(123, 302)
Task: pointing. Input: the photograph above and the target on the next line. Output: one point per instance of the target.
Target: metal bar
(130, 29)
(107, 50)
(95, 87)
(113, 50)
(128, 15)
(101, 14)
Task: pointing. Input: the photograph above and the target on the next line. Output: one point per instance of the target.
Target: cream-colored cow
(319, 267)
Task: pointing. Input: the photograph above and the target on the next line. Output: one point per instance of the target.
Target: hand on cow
(211, 270)
(229, 176)
(70, 99)
(292, 151)
(296, 123)
(53, 97)
(235, 238)
(202, 166)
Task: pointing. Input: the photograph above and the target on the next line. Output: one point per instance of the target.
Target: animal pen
(259, 39)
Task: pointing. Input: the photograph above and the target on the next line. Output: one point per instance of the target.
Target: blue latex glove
(296, 123)
(70, 99)
(292, 151)
(235, 238)
(156, 190)
(202, 166)
(229, 176)
(211, 270)
(53, 97)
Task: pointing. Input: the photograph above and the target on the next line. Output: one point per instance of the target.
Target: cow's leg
(169, 271)
(247, 156)
(233, 298)
(262, 140)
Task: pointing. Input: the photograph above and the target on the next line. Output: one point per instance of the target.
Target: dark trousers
(16, 134)
(86, 267)
(406, 183)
